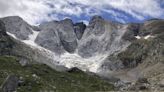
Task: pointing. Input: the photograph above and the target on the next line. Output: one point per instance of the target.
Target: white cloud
(37, 10)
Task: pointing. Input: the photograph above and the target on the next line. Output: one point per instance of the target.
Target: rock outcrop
(101, 37)
(58, 36)
(10, 84)
(18, 27)
(79, 29)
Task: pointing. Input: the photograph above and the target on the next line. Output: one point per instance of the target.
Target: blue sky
(124, 11)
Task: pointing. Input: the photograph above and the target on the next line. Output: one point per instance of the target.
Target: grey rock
(97, 23)
(132, 31)
(11, 84)
(102, 37)
(2, 29)
(49, 38)
(23, 61)
(112, 66)
(79, 29)
(17, 26)
(142, 80)
(67, 35)
(91, 47)
(5, 41)
(58, 36)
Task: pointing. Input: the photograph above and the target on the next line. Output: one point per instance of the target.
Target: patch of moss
(39, 77)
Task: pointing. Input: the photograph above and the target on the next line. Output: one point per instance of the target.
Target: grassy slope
(48, 79)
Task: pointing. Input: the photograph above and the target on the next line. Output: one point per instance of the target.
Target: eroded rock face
(132, 31)
(18, 27)
(67, 35)
(101, 37)
(79, 29)
(2, 29)
(58, 36)
(5, 42)
(49, 38)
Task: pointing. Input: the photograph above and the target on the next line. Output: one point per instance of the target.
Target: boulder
(10, 84)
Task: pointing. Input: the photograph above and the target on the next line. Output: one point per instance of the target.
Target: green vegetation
(41, 78)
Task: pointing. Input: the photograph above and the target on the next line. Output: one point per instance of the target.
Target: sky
(124, 11)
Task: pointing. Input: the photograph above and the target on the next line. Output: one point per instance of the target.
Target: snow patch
(145, 37)
(148, 36)
(12, 35)
(138, 37)
(32, 37)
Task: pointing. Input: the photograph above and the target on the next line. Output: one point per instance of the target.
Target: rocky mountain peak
(79, 29)
(18, 27)
(96, 18)
(67, 21)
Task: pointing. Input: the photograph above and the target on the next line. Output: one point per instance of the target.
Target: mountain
(123, 54)
(24, 68)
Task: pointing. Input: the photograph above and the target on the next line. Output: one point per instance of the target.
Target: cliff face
(27, 54)
(124, 51)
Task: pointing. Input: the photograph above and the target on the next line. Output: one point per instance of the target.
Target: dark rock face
(74, 70)
(10, 84)
(132, 31)
(2, 29)
(152, 27)
(6, 43)
(17, 26)
(79, 29)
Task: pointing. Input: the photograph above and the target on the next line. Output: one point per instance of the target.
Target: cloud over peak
(36, 11)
